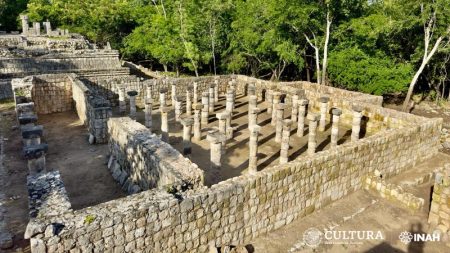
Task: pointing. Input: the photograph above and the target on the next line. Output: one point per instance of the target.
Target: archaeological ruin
(202, 163)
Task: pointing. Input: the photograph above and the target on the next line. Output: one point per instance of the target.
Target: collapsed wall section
(239, 209)
(141, 161)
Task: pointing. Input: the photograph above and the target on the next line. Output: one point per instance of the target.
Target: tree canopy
(373, 46)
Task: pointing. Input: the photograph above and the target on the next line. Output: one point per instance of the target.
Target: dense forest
(373, 46)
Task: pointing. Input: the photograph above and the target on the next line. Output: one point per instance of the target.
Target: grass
(7, 104)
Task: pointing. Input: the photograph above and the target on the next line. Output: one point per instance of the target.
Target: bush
(353, 69)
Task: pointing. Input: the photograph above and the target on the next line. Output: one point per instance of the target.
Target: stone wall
(92, 109)
(50, 93)
(393, 192)
(141, 161)
(56, 43)
(439, 217)
(75, 62)
(314, 90)
(5, 89)
(47, 195)
(239, 209)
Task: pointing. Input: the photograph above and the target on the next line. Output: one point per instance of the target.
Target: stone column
(222, 117)
(252, 102)
(122, 102)
(323, 113)
(174, 93)
(216, 91)
(276, 100)
(284, 152)
(230, 129)
(356, 123)
(279, 121)
(211, 98)
(36, 158)
(132, 94)
(178, 107)
(26, 120)
(149, 94)
(197, 125)
(37, 28)
(251, 89)
(32, 135)
(294, 113)
(269, 100)
(162, 97)
(148, 108)
(230, 101)
(253, 117)
(335, 126)
(313, 118)
(187, 133)
(48, 27)
(25, 24)
(302, 103)
(189, 100)
(215, 138)
(148, 114)
(195, 92)
(205, 108)
(165, 123)
(253, 152)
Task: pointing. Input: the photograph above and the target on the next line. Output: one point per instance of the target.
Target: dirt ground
(82, 166)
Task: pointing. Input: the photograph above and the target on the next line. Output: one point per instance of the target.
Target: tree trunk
(426, 59)
(165, 67)
(213, 46)
(317, 65)
(325, 49)
(308, 73)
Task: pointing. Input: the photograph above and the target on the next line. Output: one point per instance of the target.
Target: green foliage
(99, 20)
(375, 46)
(89, 219)
(353, 69)
(9, 14)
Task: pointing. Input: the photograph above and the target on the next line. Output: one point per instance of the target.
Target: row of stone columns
(33, 150)
(225, 132)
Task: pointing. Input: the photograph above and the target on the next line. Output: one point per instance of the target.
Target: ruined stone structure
(173, 206)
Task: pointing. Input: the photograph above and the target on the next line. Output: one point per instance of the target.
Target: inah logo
(312, 237)
(405, 237)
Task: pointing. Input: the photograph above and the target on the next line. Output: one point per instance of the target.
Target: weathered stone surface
(153, 164)
(35, 151)
(47, 197)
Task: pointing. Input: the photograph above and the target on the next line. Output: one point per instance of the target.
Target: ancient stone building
(215, 174)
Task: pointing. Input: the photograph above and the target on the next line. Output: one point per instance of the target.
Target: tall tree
(434, 34)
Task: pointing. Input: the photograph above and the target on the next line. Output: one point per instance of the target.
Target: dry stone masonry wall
(234, 211)
(141, 161)
(92, 109)
(439, 217)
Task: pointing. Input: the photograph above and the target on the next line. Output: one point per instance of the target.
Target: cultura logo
(312, 237)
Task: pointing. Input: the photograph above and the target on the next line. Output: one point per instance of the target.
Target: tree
(430, 29)
(261, 38)
(9, 12)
